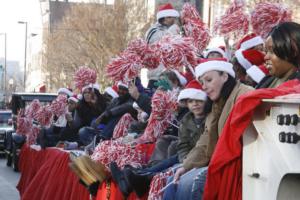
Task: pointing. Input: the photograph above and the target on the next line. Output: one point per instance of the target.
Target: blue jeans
(181, 190)
(199, 183)
(161, 166)
(18, 138)
(185, 189)
(87, 134)
(52, 135)
(108, 130)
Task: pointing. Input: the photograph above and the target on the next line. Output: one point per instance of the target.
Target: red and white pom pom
(32, 109)
(189, 12)
(266, 15)
(194, 27)
(146, 52)
(84, 76)
(44, 115)
(150, 58)
(24, 125)
(124, 67)
(176, 51)
(199, 32)
(121, 129)
(59, 105)
(163, 106)
(234, 20)
(123, 154)
(137, 46)
(158, 182)
(32, 135)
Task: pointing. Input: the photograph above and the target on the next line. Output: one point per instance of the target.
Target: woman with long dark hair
(218, 80)
(92, 105)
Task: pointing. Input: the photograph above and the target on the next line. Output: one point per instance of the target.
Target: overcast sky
(12, 11)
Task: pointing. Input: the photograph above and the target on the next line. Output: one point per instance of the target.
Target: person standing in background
(166, 24)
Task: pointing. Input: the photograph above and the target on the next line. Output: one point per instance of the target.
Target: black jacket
(144, 102)
(266, 82)
(86, 113)
(118, 107)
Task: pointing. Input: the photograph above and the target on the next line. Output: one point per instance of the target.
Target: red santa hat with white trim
(73, 98)
(257, 73)
(214, 64)
(219, 50)
(122, 84)
(112, 91)
(66, 91)
(249, 57)
(166, 10)
(92, 86)
(193, 90)
(249, 41)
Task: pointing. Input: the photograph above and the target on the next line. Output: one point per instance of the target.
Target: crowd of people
(206, 96)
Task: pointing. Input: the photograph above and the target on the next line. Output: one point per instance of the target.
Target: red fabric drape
(113, 190)
(46, 175)
(110, 191)
(224, 179)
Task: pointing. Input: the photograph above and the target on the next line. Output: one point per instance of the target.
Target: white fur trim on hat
(252, 42)
(135, 106)
(215, 49)
(111, 92)
(191, 93)
(255, 73)
(66, 91)
(216, 65)
(167, 13)
(181, 78)
(120, 83)
(86, 87)
(73, 99)
(242, 60)
(94, 86)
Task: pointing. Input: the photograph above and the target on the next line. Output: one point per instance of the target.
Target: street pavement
(8, 181)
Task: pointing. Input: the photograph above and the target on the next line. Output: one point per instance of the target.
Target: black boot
(134, 169)
(118, 176)
(93, 188)
(42, 139)
(139, 183)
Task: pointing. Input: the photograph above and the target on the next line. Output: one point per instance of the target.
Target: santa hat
(249, 57)
(166, 10)
(257, 73)
(122, 84)
(219, 50)
(216, 64)
(193, 90)
(112, 91)
(93, 86)
(74, 98)
(249, 41)
(66, 91)
(180, 77)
